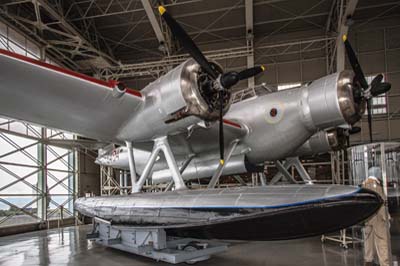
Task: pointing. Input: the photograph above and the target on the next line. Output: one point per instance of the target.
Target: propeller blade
(250, 72)
(221, 127)
(229, 79)
(377, 80)
(354, 130)
(187, 42)
(355, 64)
(381, 88)
(369, 110)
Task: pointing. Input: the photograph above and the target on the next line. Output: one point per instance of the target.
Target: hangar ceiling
(118, 38)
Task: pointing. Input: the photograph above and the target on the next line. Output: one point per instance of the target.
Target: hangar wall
(38, 181)
(89, 172)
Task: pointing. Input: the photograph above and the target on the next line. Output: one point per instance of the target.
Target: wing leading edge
(54, 97)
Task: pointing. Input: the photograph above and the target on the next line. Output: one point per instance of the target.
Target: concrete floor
(69, 246)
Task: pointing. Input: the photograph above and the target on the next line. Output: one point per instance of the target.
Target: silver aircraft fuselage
(277, 125)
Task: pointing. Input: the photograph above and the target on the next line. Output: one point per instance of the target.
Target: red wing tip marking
(231, 123)
(110, 84)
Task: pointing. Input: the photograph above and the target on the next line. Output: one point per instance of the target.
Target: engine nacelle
(322, 142)
(331, 101)
(186, 91)
(180, 98)
(282, 121)
(206, 167)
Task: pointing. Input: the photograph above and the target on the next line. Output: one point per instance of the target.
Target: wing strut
(221, 167)
(132, 166)
(161, 144)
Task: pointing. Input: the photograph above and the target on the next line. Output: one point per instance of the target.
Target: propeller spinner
(222, 81)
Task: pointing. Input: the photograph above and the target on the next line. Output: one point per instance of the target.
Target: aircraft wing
(76, 143)
(54, 97)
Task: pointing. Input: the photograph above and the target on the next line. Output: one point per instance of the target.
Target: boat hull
(287, 223)
(263, 213)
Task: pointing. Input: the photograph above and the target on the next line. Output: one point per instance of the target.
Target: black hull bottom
(289, 223)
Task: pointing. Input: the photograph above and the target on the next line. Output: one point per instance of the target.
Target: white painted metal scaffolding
(38, 181)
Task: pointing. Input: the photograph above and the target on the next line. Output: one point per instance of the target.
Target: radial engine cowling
(187, 90)
(175, 101)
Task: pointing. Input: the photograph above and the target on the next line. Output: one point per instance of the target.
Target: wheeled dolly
(152, 242)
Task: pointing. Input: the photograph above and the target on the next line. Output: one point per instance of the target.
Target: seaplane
(178, 118)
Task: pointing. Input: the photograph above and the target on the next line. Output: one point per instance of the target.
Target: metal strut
(181, 170)
(283, 171)
(131, 159)
(161, 144)
(221, 167)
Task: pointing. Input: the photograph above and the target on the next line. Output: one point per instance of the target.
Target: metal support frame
(159, 67)
(240, 180)
(343, 30)
(131, 159)
(250, 38)
(109, 186)
(121, 182)
(338, 23)
(344, 238)
(156, 26)
(153, 242)
(258, 179)
(125, 188)
(181, 170)
(47, 180)
(338, 170)
(283, 171)
(42, 203)
(66, 42)
(263, 179)
(161, 144)
(215, 178)
(72, 180)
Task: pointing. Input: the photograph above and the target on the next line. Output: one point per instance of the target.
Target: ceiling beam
(155, 25)
(250, 38)
(237, 26)
(79, 41)
(344, 23)
(173, 3)
(45, 5)
(159, 67)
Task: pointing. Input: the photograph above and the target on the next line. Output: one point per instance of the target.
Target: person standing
(376, 238)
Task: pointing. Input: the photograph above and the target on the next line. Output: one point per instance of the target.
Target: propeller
(367, 92)
(222, 81)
